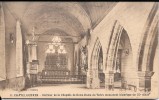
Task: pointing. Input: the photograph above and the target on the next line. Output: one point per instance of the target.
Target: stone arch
(152, 52)
(95, 52)
(112, 45)
(101, 70)
(147, 49)
(94, 79)
(119, 43)
(148, 36)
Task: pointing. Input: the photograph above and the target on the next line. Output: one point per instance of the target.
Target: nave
(90, 46)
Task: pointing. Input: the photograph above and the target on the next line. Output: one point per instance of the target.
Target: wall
(2, 44)
(10, 54)
(10, 23)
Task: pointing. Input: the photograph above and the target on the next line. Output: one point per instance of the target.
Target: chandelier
(56, 46)
(56, 41)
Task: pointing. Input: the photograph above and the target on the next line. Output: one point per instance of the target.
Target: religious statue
(84, 65)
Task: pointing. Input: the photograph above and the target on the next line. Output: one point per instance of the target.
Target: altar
(56, 68)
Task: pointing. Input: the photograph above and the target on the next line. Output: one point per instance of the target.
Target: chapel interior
(102, 45)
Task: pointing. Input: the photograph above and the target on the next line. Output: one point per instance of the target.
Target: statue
(84, 65)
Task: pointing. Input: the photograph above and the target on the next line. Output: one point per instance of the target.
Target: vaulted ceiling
(71, 18)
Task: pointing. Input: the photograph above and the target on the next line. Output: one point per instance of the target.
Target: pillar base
(88, 79)
(95, 83)
(109, 80)
(17, 83)
(145, 80)
(93, 80)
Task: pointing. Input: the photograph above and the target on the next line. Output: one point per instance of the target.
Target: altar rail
(51, 73)
(60, 77)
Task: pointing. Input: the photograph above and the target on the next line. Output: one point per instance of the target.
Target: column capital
(29, 42)
(145, 80)
(145, 73)
(109, 73)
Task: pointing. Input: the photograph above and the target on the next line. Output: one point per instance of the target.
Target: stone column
(88, 83)
(2, 44)
(72, 63)
(34, 51)
(29, 52)
(32, 55)
(90, 78)
(29, 60)
(19, 50)
(28, 69)
(145, 80)
(32, 64)
(109, 79)
(95, 79)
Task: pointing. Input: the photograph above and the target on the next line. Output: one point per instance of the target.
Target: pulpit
(33, 72)
(32, 63)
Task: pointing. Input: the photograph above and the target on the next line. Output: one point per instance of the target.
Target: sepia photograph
(104, 50)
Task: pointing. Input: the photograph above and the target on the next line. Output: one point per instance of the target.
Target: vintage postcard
(79, 50)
